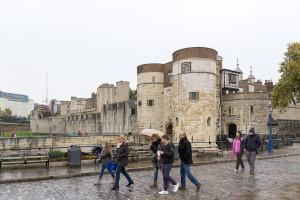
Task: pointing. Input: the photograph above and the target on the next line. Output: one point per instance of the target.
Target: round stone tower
(150, 87)
(194, 97)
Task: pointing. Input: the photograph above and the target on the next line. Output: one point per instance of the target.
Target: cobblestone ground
(274, 179)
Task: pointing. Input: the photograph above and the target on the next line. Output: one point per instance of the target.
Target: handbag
(112, 166)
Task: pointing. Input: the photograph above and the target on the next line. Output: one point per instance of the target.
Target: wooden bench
(209, 148)
(141, 151)
(25, 157)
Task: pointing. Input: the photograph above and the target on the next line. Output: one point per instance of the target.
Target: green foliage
(288, 87)
(132, 93)
(56, 154)
(22, 134)
(6, 114)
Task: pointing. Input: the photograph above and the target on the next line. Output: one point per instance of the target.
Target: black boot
(129, 184)
(116, 187)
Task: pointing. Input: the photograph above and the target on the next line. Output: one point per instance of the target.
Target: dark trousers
(239, 161)
(166, 175)
(119, 170)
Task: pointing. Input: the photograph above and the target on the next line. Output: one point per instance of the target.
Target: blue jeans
(121, 169)
(185, 171)
(155, 174)
(102, 171)
(166, 174)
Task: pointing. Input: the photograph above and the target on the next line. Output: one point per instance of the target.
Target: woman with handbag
(155, 145)
(105, 158)
(121, 159)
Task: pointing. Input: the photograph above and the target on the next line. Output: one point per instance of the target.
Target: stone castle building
(193, 92)
(180, 95)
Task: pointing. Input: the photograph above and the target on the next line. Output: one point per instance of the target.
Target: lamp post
(270, 139)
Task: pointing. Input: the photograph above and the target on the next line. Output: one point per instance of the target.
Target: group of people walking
(163, 159)
(249, 145)
(121, 160)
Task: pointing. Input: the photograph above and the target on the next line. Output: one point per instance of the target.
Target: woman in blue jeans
(105, 157)
(121, 159)
(155, 145)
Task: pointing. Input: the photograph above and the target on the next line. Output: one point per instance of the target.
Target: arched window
(208, 122)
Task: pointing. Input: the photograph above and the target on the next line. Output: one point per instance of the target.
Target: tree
(287, 90)
(6, 114)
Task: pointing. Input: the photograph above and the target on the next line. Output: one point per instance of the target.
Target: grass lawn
(21, 134)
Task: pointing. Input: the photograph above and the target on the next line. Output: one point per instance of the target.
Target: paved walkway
(41, 173)
(277, 178)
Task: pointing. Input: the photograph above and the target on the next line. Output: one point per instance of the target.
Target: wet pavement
(277, 177)
(31, 173)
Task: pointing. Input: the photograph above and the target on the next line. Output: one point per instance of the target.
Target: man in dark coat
(252, 143)
(185, 155)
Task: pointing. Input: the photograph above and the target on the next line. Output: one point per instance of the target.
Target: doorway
(232, 130)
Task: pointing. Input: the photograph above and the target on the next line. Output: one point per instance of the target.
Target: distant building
(19, 104)
(54, 106)
(42, 107)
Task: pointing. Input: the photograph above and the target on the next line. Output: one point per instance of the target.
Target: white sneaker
(176, 187)
(235, 170)
(163, 192)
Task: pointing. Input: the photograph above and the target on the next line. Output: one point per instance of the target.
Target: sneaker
(176, 187)
(242, 169)
(182, 188)
(163, 192)
(235, 170)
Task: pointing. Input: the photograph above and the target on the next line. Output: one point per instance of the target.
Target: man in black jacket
(167, 154)
(251, 146)
(185, 155)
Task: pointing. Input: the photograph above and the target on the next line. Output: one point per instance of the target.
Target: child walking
(105, 158)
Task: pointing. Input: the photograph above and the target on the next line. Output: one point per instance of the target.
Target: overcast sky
(82, 44)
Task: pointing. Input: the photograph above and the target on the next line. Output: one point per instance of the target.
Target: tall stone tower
(194, 92)
(122, 91)
(150, 87)
(106, 94)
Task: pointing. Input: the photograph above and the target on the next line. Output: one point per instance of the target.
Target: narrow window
(185, 67)
(170, 78)
(153, 79)
(233, 111)
(194, 95)
(208, 122)
(150, 102)
(176, 121)
(251, 109)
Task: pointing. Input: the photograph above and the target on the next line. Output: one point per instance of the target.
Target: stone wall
(245, 117)
(49, 142)
(118, 118)
(288, 127)
(64, 124)
(115, 119)
(25, 128)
